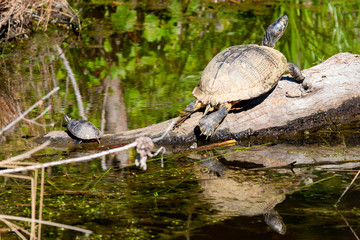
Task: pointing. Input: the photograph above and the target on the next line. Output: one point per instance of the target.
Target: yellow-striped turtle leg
(192, 107)
(209, 123)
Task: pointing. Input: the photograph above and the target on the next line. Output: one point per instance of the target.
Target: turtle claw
(209, 123)
(192, 107)
(181, 119)
(206, 129)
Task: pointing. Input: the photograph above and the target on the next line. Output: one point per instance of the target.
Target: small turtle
(239, 73)
(82, 130)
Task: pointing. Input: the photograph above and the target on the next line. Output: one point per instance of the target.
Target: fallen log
(331, 100)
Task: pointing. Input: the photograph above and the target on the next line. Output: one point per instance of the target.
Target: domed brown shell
(239, 73)
(82, 129)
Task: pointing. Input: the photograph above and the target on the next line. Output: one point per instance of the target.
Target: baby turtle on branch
(82, 130)
(239, 73)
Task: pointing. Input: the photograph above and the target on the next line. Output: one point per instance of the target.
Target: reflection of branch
(347, 188)
(29, 110)
(347, 224)
(59, 225)
(103, 120)
(73, 81)
(41, 114)
(26, 154)
(39, 124)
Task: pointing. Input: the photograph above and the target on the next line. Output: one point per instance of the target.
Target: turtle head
(67, 118)
(275, 31)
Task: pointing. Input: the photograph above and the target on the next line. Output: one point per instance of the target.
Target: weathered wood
(333, 97)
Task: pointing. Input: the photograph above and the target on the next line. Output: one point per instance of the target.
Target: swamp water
(136, 64)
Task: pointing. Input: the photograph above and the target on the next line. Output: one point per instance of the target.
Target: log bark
(331, 100)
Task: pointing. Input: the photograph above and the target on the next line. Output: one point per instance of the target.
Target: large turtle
(239, 73)
(82, 129)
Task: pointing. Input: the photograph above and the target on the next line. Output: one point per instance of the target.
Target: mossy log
(332, 99)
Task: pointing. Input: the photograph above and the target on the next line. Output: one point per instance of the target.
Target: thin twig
(357, 174)
(70, 160)
(39, 124)
(41, 200)
(39, 116)
(14, 228)
(59, 225)
(162, 150)
(100, 178)
(73, 81)
(27, 111)
(83, 158)
(26, 154)
(33, 120)
(33, 203)
(166, 132)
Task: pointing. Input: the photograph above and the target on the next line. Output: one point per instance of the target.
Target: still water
(135, 64)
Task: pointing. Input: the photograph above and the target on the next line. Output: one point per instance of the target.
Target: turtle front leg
(209, 123)
(192, 107)
(295, 72)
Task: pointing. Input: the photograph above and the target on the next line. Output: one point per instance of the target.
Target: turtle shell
(239, 73)
(82, 129)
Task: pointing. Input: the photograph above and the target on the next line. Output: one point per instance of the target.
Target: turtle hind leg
(295, 72)
(192, 107)
(209, 123)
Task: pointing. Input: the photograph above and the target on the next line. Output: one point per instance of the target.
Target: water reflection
(159, 55)
(114, 120)
(242, 195)
(273, 219)
(139, 68)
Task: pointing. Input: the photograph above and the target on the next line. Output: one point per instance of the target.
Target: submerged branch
(73, 81)
(348, 225)
(347, 188)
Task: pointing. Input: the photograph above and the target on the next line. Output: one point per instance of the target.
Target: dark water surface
(135, 64)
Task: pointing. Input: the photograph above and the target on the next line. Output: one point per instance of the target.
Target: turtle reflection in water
(82, 129)
(273, 219)
(239, 73)
(232, 194)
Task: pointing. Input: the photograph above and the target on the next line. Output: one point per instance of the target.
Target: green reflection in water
(152, 54)
(162, 50)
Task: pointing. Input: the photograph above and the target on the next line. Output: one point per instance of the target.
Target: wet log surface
(332, 99)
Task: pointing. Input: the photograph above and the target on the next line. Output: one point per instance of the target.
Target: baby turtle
(239, 73)
(82, 130)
